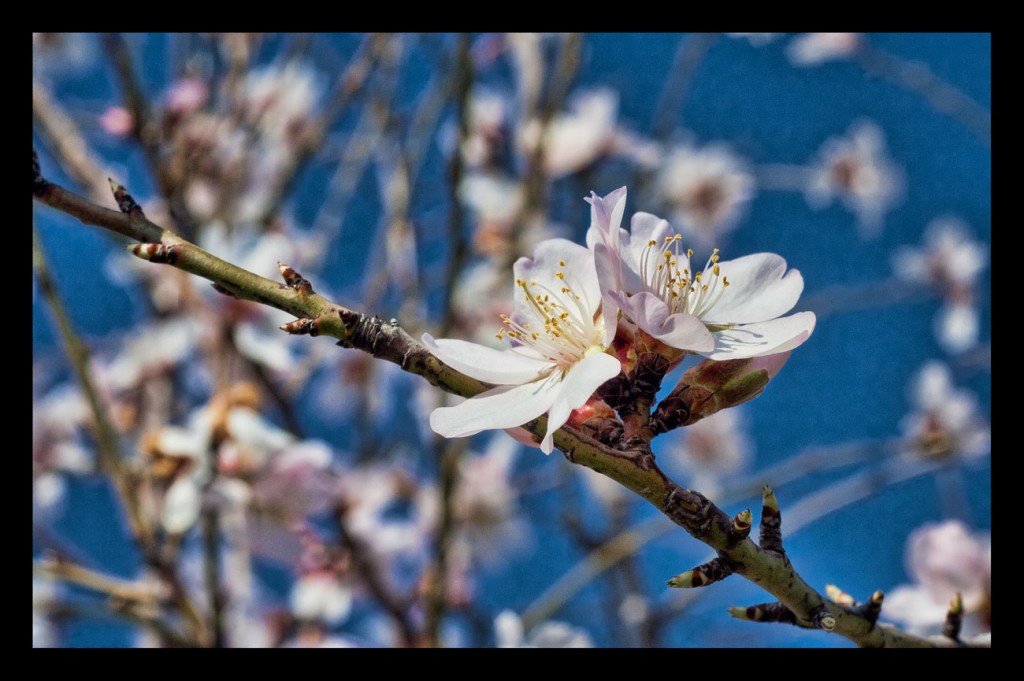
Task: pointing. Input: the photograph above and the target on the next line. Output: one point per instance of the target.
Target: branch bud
(711, 386)
(294, 279)
(954, 618)
(873, 608)
(302, 327)
(740, 529)
(125, 202)
(154, 252)
(771, 523)
(839, 596)
(713, 571)
(764, 612)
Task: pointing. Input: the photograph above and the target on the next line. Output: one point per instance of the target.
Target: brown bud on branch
(771, 523)
(302, 327)
(713, 571)
(158, 253)
(954, 618)
(765, 612)
(873, 608)
(294, 279)
(125, 202)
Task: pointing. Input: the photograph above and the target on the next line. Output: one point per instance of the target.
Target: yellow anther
(560, 275)
(689, 252)
(652, 242)
(561, 263)
(717, 270)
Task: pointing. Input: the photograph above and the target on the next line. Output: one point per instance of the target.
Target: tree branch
(635, 469)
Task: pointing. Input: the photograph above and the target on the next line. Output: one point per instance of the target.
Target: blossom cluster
(584, 315)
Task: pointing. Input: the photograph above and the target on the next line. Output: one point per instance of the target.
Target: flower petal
(607, 263)
(763, 338)
(501, 367)
(606, 218)
(680, 330)
(757, 290)
(506, 406)
(579, 384)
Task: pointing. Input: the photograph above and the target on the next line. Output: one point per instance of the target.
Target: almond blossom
(727, 310)
(559, 334)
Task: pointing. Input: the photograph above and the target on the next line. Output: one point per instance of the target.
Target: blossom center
(665, 272)
(560, 328)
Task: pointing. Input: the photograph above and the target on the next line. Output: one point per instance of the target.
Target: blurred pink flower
(945, 559)
(185, 96)
(117, 121)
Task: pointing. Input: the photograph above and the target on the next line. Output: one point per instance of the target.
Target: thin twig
(689, 55)
(111, 459)
(919, 79)
(65, 140)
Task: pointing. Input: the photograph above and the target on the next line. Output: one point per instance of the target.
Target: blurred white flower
(706, 189)
(181, 505)
(857, 170)
(486, 503)
(755, 39)
(574, 138)
(278, 100)
(388, 510)
(944, 559)
(946, 420)
(263, 346)
(950, 261)
(811, 49)
(485, 134)
(508, 633)
(151, 351)
(321, 597)
(634, 609)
